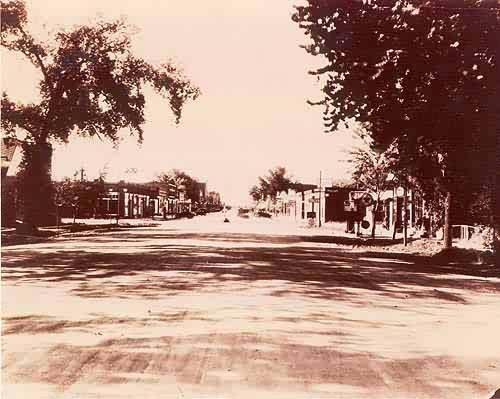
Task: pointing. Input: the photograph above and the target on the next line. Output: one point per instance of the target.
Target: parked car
(186, 214)
(263, 214)
(243, 212)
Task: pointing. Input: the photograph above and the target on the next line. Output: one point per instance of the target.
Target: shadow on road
(181, 264)
(304, 346)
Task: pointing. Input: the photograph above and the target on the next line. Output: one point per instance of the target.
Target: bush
(466, 255)
(484, 238)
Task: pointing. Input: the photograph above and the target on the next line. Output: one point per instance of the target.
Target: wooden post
(394, 213)
(447, 221)
(374, 214)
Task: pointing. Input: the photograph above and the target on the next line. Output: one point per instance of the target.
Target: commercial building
(316, 205)
(128, 200)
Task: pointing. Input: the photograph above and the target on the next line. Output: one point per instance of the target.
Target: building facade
(127, 200)
(316, 206)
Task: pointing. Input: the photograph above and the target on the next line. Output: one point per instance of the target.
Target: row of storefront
(346, 204)
(144, 200)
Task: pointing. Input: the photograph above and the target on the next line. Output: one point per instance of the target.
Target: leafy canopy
(422, 77)
(90, 83)
(406, 67)
(371, 169)
(182, 179)
(270, 186)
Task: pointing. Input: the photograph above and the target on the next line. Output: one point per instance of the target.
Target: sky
(252, 114)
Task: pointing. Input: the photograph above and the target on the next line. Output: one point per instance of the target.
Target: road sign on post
(350, 206)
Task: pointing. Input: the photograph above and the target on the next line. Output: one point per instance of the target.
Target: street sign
(350, 206)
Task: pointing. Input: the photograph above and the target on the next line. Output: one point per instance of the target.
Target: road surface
(205, 309)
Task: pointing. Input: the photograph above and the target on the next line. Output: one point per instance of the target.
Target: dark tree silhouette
(425, 70)
(91, 84)
(271, 185)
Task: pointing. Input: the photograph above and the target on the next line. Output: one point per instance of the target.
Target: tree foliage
(182, 179)
(257, 193)
(82, 195)
(372, 172)
(271, 185)
(419, 74)
(371, 168)
(402, 66)
(91, 83)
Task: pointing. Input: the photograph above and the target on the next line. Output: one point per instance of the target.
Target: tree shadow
(162, 268)
(133, 265)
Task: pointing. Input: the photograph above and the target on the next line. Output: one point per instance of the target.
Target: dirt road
(201, 309)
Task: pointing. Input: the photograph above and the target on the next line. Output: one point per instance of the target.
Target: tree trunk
(447, 233)
(405, 216)
(36, 189)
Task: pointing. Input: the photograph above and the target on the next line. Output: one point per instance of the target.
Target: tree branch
(37, 57)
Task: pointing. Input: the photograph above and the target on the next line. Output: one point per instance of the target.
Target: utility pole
(319, 208)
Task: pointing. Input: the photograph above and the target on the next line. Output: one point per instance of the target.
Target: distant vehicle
(201, 211)
(243, 212)
(186, 214)
(263, 214)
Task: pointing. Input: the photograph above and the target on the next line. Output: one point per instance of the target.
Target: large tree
(257, 193)
(272, 184)
(423, 70)
(181, 178)
(90, 84)
(82, 196)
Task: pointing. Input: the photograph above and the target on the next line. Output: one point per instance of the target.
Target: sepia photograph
(291, 199)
